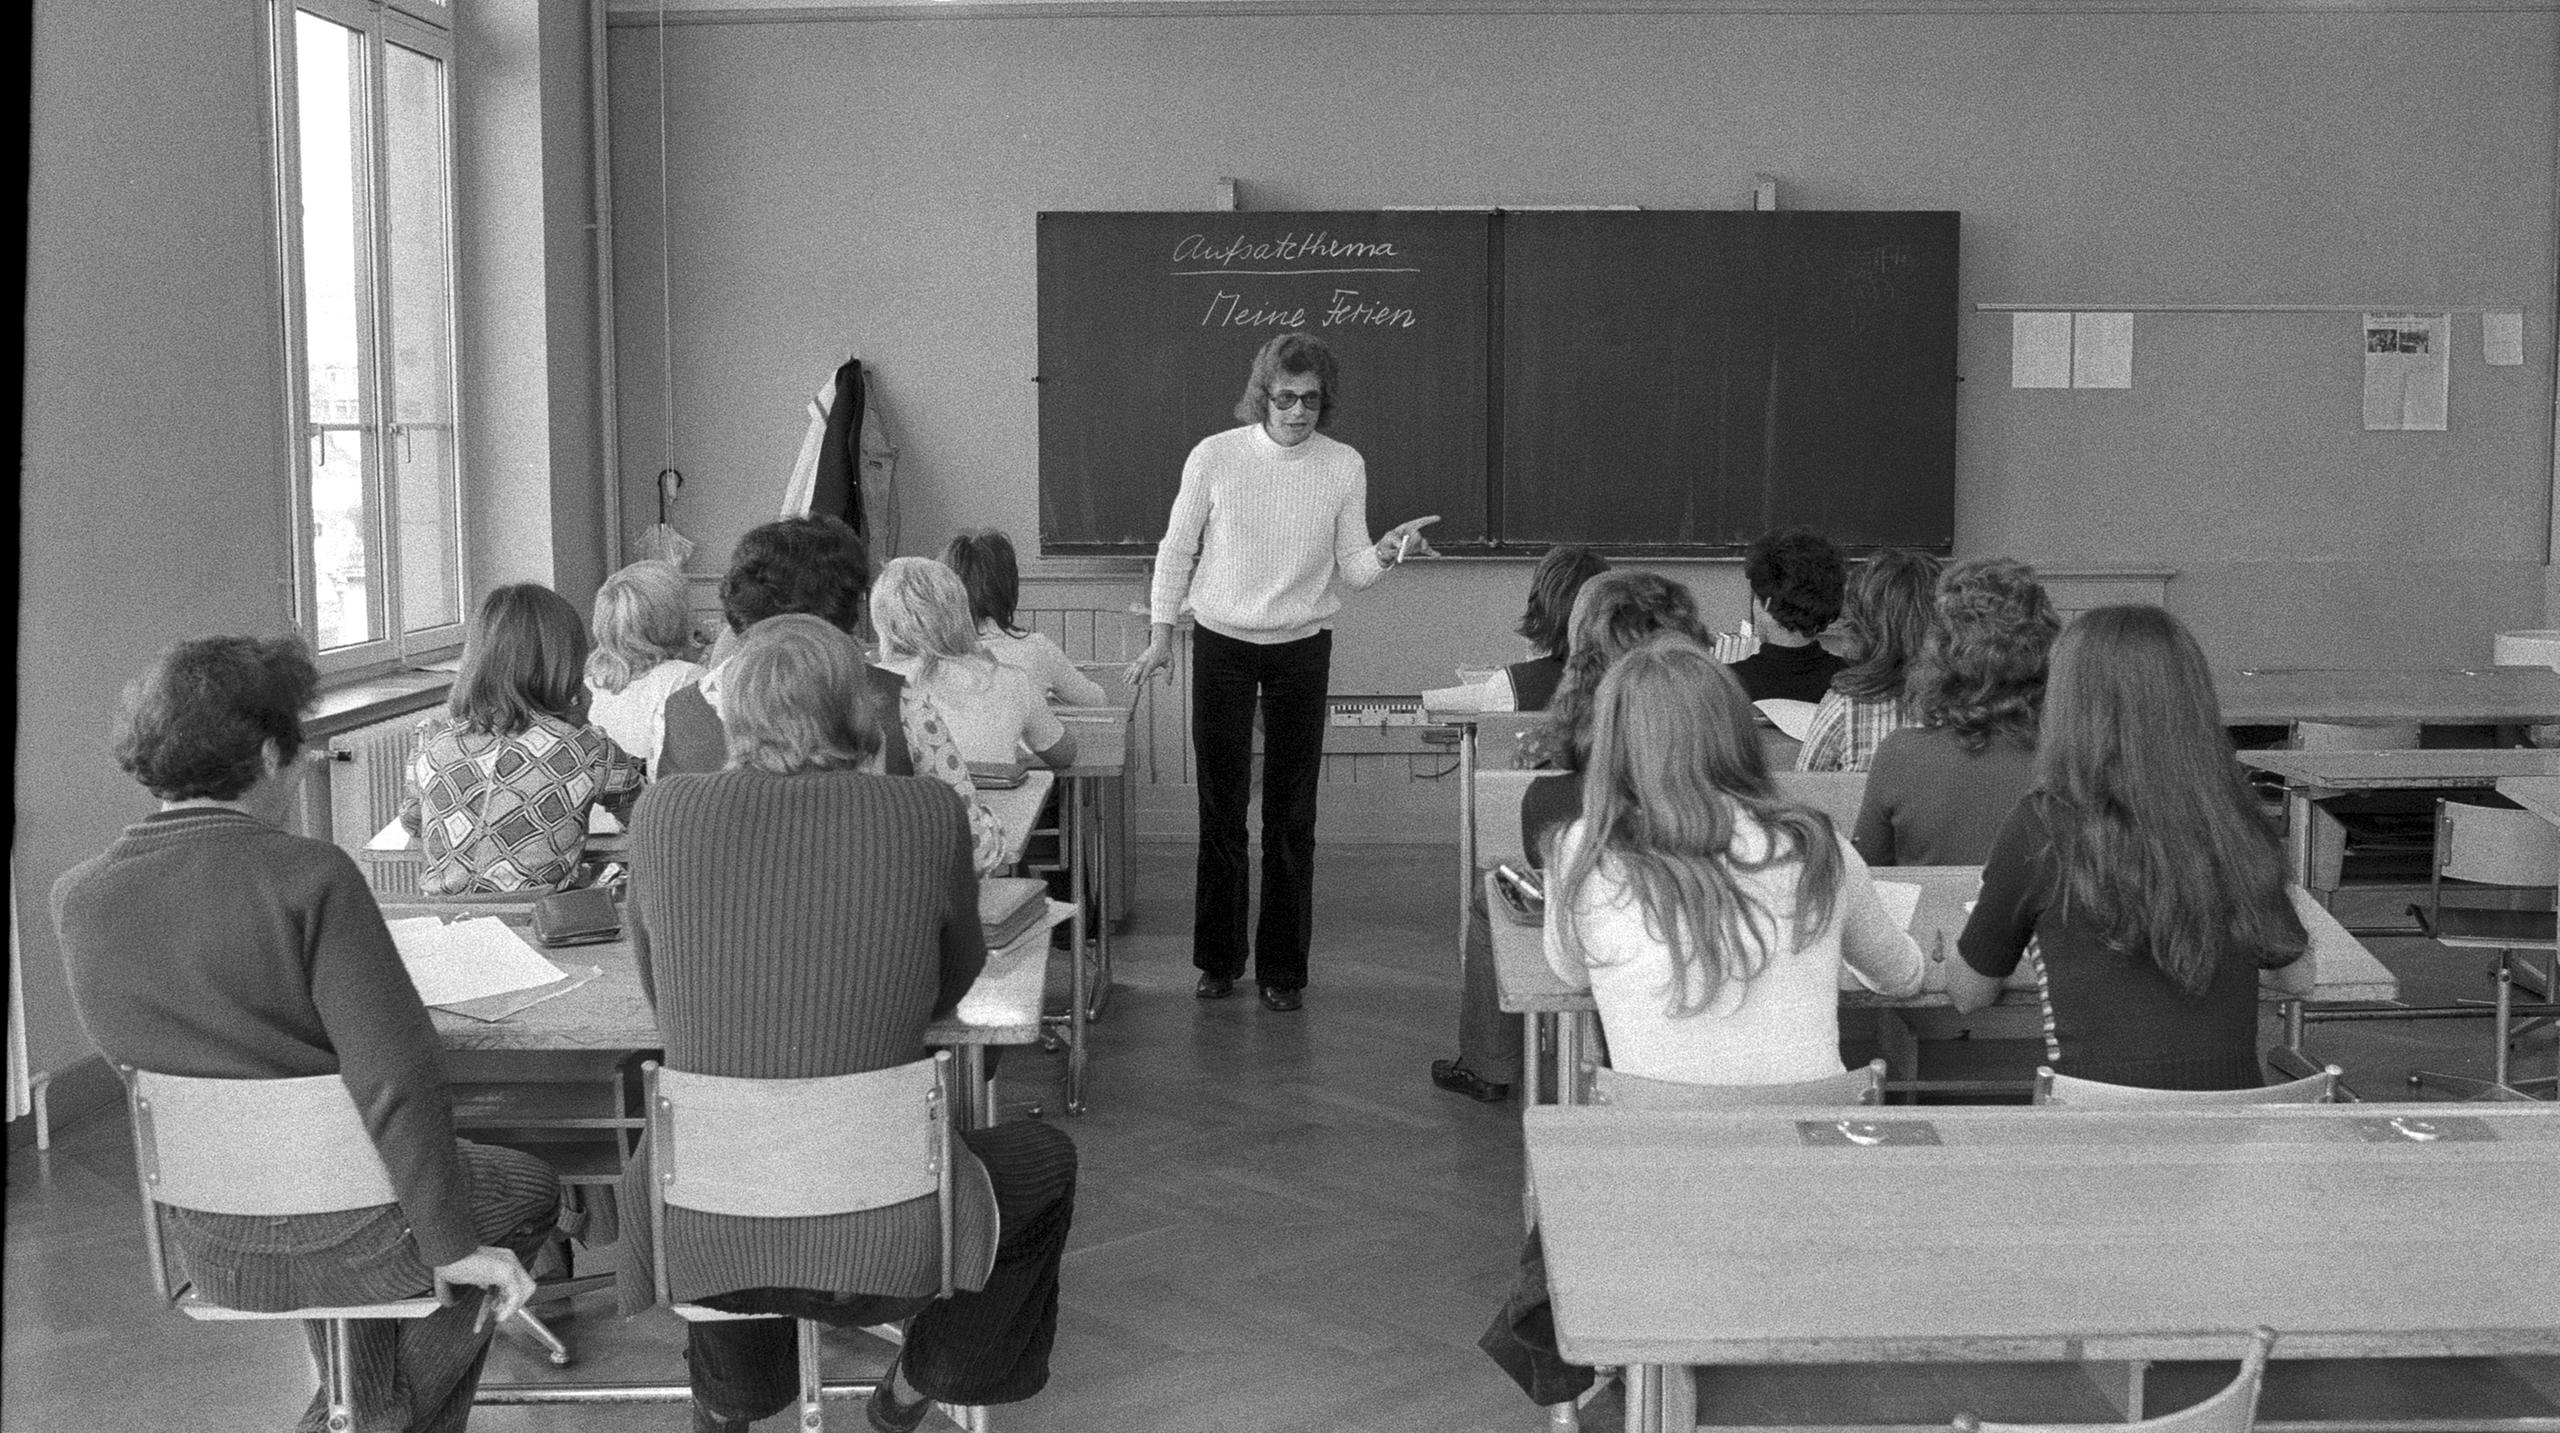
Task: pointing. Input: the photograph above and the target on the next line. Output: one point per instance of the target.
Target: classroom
(673, 220)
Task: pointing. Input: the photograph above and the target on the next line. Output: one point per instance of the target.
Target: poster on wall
(2405, 364)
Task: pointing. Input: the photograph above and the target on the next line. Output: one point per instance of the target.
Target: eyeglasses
(1286, 401)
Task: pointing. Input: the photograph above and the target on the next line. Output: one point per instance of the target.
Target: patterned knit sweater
(1265, 539)
(789, 927)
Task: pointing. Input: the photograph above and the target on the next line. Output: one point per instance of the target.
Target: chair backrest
(2233, 1410)
(1836, 794)
(2496, 846)
(2053, 1089)
(1862, 1086)
(796, 1149)
(259, 1147)
(2340, 736)
(1498, 836)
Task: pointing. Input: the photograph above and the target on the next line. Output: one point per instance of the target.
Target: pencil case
(580, 917)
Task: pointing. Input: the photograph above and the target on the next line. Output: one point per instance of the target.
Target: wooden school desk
(2467, 696)
(1474, 728)
(2537, 794)
(610, 1014)
(2311, 775)
(2011, 1234)
(1528, 987)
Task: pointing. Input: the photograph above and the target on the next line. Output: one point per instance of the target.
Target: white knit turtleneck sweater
(1264, 539)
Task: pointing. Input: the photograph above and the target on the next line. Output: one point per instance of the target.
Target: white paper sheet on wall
(2102, 350)
(2502, 337)
(2405, 367)
(2040, 350)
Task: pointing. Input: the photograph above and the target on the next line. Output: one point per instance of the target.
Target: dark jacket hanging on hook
(839, 486)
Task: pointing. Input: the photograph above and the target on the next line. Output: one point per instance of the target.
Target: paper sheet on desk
(468, 960)
(1792, 717)
(986, 1002)
(1901, 901)
(494, 1008)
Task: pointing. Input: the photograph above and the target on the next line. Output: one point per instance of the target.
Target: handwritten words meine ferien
(1321, 254)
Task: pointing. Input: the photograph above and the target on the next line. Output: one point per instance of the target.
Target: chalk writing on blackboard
(1301, 250)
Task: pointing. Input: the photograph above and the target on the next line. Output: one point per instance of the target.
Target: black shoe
(1283, 998)
(1214, 987)
(1457, 1079)
(886, 1413)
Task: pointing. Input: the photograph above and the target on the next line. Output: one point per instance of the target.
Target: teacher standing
(1270, 528)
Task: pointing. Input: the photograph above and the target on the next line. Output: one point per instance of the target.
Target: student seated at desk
(921, 614)
(985, 563)
(643, 653)
(819, 566)
(502, 779)
(1889, 606)
(1796, 578)
(1939, 791)
(2141, 868)
(1613, 614)
(1709, 917)
(797, 916)
(207, 942)
(1528, 686)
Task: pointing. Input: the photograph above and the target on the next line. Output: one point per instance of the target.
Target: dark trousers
(1287, 680)
(421, 1374)
(985, 1346)
(1522, 1337)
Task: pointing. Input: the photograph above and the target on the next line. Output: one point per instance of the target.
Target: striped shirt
(1264, 539)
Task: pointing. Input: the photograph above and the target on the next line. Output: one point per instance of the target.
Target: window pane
(345, 561)
(341, 575)
(421, 347)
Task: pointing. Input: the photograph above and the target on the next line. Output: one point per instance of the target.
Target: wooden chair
(1836, 794)
(267, 1148)
(796, 1149)
(2507, 851)
(2053, 1089)
(2233, 1410)
(1861, 1086)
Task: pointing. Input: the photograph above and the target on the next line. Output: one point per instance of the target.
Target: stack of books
(1008, 906)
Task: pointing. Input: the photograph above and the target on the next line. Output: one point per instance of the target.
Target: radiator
(368, 774)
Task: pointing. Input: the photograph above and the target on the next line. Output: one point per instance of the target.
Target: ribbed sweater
(206, 942)
(1265, 539)
(788, 927)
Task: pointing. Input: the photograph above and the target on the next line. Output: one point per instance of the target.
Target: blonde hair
(639, 623)
(792, 698)
(920, 610)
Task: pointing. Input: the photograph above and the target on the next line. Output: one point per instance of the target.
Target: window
(365, 238)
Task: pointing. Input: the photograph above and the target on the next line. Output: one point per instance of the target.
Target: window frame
(422, 26)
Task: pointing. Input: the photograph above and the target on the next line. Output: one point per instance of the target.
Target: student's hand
(1394, 547)
(490, 1268)
(1157, 658)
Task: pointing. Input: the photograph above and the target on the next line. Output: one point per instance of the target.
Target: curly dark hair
(1891, 602)
(1291, 353)
(1798, 575)
(1981, 672)
(197, 724)
(1552, 588)
(815, 564)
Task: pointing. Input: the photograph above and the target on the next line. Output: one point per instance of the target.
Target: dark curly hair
(815, 564)
(1617, 612)
(1291, 353)
(1798, 575)
(1981, 672)
(990, 574)
(1547, 622)
(1890, 603)
(197, 724)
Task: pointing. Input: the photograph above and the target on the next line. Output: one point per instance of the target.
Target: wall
(153, 411)
(868, 185)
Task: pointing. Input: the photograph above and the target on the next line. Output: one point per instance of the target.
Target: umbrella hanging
(663, 541)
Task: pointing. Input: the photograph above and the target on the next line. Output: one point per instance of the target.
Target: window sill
(347, 705)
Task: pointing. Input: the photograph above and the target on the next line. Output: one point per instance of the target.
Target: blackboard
(1149, 323)
(1687, 381)
(1668, 382)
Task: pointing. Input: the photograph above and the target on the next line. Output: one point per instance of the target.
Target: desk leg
(1466, 840)
(1533, 1047)
(1644, 1397)
(1569, 1033)
(1097, 850)
(979, 1110)
(2287, 1058)
(1079, 990)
